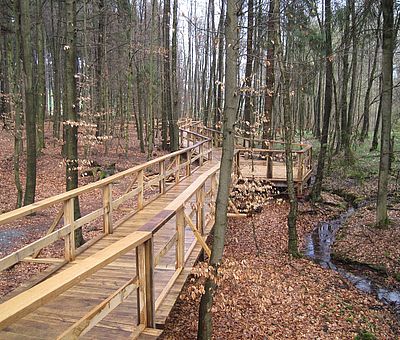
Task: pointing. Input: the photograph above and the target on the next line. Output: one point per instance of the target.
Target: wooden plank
(91, 319)
(107, 206)
(138, 330)
(69, 240)
(168, 287)
(180, 239)
(28, 250)
(48, 260)
(88, 218)
(198, 235)
(52, 227)
(165, 250)
(17, 307)
(158, 221)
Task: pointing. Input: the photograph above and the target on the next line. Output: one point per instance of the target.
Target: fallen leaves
(275, 297)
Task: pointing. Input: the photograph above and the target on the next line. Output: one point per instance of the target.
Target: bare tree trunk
(30, 114)
(387, 82)
(316, 193)
(366, 115)
(71, 110)
(205, 321)
(17, 107)
(40, 96)
(288, 134)
(248, 109)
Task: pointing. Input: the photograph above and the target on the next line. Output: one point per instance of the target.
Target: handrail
(198, 146)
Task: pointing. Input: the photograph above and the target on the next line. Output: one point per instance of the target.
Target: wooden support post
(107, 206)
(180, 239)
(201, 147)
(51, 229)
(200, 195)
(69, 244)
(178, 168)
(188, 162)
(145, 273)
(237, 165)
(162, 177)
(181, 137)
(210, 147)
(300, 167)
(140, 181)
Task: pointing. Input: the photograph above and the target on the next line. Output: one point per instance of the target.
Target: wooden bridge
(155, 218)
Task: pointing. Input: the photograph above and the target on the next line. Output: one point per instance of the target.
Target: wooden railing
(194, 208)
(162, 172)
(265, 158)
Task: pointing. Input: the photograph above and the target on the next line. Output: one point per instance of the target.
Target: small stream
(318, 248)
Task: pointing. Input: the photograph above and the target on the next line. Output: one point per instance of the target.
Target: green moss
(365, 335)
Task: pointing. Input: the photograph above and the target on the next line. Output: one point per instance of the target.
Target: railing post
(145, 273)
(201, 147)
(237, 165)
(200, 209)
(69, 218)
(140, 181)
(181, 137)
(178, 168)
(270, 165)
(300, 169)
(180, 239)
(188, 162)
(162, 177)
(107, 207)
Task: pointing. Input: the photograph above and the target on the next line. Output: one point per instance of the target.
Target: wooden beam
(107, 206)
(198, 235)
(69, 240)
(165, 250)
(26, 302)
(167, 288)
(52, 227)
(30, 249)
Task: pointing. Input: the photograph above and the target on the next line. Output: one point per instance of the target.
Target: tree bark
(248, 109)
(316, 193)
(230, 108)
(41, 85)
(30, 114)
(387, 82)
(71, 110)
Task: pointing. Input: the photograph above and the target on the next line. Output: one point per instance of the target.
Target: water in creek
(318, 248)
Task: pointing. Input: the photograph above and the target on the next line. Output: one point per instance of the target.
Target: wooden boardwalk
(52, 319)
(124, 283)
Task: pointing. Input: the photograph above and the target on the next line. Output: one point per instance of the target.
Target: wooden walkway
(124, 283)
(52, 319)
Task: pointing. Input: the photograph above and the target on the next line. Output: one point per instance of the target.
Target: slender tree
(30, 114)
(229, 115)
(316, 193)
(387, 88)
(71, 109)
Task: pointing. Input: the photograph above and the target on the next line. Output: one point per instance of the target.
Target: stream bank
(330, 245)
